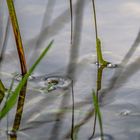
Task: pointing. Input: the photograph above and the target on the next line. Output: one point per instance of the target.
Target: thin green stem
(94, 11)
(2, 91)
(98, 113)
(100, 59)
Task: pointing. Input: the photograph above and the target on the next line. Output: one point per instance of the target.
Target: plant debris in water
(57, 82)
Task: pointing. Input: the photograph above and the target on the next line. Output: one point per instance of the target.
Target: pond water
(66, 68)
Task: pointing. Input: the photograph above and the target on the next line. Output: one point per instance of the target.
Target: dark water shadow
(71, 68)
(45, 23)
(91, 112)
(4, 40)
(74, 49)
(48, 31)
(121, 75)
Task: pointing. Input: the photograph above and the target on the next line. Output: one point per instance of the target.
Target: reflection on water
(46, 113)
(125, 113)
(106, 137)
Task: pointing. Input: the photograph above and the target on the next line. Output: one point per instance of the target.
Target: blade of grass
(12, 100)
(99, 53)
(97, 110)
(100, 59)
(9, 92)
(17, 35)
(19, 110)
(2, 91)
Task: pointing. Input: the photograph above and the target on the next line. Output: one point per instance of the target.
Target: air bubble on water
(11, 133)
(125, 113)
(57, 82)
(110, 65)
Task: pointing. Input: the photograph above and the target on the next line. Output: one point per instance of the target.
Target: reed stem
(17, 35)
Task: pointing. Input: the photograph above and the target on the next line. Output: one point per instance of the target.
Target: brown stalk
(22, 59)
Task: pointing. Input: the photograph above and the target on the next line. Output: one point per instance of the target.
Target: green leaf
(97, 110)
(99, 53)
(12, 100)
(2, 91)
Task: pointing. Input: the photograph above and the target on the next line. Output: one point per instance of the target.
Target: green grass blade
(12, 100)
(2, 88)
(99, 53)
(97, 109)
(100, 59)
(2, 91)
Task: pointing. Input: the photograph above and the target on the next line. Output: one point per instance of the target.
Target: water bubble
(110, 65)
(97, 63)
(125, 113)
(105, 137)
(11, 133)
(57, 82)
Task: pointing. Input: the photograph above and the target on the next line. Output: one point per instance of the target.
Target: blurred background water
(47, 115)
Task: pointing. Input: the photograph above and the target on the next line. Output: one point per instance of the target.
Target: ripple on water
(56, 82)
(47, 83)
(105, 137)
(18, 77)
(125, 112)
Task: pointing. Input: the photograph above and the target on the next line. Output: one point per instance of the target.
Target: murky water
(48, 106)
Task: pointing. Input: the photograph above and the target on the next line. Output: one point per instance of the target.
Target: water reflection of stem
(71, 12)
(4, 43)
(73, 107)
(81, 123)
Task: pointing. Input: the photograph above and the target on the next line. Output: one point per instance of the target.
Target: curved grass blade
(12, 100)
(17, 35)
(97, 111)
